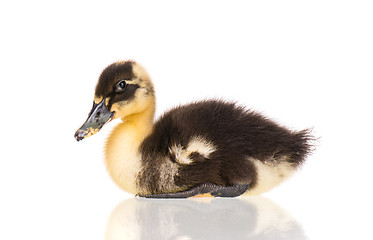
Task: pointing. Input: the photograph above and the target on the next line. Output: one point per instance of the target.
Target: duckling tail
(304, 145)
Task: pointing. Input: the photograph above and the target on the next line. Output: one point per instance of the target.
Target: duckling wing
(228, 129)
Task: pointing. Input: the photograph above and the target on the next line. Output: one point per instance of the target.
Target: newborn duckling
(208, 148)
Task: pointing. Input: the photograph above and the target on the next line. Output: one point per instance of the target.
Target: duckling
(210, 148)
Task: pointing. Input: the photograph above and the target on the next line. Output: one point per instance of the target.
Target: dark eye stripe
(127, 95)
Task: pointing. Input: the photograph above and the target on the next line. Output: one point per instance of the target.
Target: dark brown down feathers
(238, 134)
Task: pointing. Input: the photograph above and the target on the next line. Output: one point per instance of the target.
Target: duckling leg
(204, 190)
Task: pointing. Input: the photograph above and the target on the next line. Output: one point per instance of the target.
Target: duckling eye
(120, 86)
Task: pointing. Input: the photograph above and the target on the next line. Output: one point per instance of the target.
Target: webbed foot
(203, 190)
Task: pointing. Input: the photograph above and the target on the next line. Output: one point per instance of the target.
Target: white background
(303, 64)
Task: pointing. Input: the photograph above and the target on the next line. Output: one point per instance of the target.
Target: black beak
(97, 118)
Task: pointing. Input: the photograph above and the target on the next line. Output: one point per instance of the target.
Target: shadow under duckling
(209, 148)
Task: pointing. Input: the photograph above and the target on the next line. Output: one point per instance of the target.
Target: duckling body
(206, 148)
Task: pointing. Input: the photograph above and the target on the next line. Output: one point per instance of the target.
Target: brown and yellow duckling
(207, 148)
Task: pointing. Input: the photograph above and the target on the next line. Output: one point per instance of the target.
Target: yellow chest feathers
(123, 160)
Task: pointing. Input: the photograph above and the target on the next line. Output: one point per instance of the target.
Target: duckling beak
(97, 118)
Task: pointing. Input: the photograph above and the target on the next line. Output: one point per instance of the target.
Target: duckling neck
(123, 159)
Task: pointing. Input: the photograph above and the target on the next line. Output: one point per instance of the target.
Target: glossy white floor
(302, 64)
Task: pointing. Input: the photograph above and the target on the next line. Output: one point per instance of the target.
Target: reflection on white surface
(239, 218)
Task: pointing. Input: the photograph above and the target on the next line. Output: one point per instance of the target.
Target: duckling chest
(122, 158)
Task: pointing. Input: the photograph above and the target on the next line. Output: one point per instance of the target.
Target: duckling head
(124, 91)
